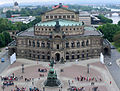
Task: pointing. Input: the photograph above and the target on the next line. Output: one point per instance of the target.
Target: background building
(14, 8)
(85, 17)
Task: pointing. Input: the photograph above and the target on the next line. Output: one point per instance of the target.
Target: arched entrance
(57, 57)
(106, 52)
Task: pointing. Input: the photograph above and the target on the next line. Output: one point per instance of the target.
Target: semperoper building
(59, 35)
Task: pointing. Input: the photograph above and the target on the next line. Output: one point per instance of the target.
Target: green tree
(116, 39)
(104, 19)
(7, 37)
(2, 40)
(8, 14)
(119, 23)
(109, 30)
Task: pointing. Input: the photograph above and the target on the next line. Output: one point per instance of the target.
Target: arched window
(82, 55)
(67, 53)
(38, 56)
(43, 55)
(38, 44)
(29, 43)
(78, 44)
(48, 57)
(48, 44)
(72, 44)
(87, 55)
(67, 57)
(73, 55)
(83, 51)
(33, 43)
(83, 44)
(78, 56)
(30, 55)
(67, 45)
(87, 43)
(42, 44)
(33, 55)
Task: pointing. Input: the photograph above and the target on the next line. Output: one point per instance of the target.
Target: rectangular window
(60, 17)
(64, 16)
(68, 16)
(47, 17)
(55, 17)
(57, 46)
(73, 16)
(51, 17)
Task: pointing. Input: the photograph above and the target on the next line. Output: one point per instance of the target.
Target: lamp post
(88, 68)
(43, 88)
(22, 68)
(3, 87)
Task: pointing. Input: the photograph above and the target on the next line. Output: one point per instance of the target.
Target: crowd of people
(42, 70)
(9, 80)
(19, 89)
(82, 78)
(73, 88)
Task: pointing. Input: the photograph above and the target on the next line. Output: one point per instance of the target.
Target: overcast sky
(63, 1)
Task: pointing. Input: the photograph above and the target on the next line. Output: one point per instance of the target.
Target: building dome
(15, 3)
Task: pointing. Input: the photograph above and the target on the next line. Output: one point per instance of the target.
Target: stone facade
(60, 13)
(59, 39)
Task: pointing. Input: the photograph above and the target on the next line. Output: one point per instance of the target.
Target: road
(3, 65)
(114, 69)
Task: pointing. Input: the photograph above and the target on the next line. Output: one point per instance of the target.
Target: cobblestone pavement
(71, 70)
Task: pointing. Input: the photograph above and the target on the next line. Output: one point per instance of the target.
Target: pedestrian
(110, 82)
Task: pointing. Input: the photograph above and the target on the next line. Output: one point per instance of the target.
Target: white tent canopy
(102, 58)
(13, 58)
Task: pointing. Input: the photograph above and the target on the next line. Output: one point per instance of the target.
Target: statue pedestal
(52, 79)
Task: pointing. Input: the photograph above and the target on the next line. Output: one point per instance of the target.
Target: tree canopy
(109, 30)
(4, 39)
(104, 19)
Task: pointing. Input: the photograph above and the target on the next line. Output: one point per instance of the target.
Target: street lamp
(43, 88)
(88, 68)
(22, 68)
(3, 87)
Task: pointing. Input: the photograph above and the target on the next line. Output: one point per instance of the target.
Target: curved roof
(62, 22)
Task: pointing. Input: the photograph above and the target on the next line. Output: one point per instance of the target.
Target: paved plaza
(69, 76)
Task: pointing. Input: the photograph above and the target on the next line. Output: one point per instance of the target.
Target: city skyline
(2, 2)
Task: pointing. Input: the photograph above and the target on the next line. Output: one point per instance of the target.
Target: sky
(63, 1)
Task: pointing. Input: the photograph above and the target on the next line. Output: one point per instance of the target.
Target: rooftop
(89, 31)
(61, 22)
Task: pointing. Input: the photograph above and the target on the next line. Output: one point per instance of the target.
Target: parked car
(110, 63)
(2, 60)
